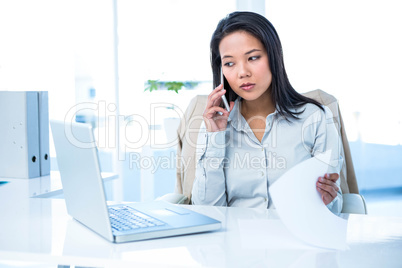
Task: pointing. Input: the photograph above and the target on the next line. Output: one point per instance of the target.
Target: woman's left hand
(327, 187)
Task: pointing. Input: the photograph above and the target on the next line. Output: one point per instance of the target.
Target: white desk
(39, 230)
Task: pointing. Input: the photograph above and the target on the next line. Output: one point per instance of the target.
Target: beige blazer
(188, 134)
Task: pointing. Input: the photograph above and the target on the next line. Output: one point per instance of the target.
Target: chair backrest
(188, 134)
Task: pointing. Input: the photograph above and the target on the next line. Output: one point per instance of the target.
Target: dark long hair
(283, 94)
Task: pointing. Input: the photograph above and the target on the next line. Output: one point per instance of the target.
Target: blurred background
(99, 60)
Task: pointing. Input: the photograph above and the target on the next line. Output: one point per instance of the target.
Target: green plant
(171, 85)
(175, 86)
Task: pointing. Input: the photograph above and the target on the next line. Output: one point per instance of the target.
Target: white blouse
(235, 169)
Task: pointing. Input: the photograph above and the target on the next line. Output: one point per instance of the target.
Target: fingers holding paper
(327, 187)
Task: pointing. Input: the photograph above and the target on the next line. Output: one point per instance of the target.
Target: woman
(269, 128)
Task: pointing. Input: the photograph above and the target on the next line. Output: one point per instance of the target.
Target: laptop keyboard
(126, 218)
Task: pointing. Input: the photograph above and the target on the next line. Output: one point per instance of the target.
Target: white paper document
(301, 209)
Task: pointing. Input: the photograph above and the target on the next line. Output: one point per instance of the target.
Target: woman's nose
(243, 71)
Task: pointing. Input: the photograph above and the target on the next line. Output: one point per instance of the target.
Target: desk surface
(39, 230)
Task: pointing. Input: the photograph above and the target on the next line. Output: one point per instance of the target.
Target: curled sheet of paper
(300, 207)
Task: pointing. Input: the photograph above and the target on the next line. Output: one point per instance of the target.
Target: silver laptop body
(83, 188)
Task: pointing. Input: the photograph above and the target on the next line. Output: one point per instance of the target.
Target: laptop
(84, 193)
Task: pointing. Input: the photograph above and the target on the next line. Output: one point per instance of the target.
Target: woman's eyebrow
(251, 51)
(247, 53)
(226, 56)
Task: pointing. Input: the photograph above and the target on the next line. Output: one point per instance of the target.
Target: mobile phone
(225, 102)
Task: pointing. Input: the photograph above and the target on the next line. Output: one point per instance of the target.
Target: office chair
(187, 132)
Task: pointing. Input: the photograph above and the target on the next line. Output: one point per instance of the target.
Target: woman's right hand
(216, 117)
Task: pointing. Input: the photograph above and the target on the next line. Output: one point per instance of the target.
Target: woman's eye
(229, 64)
(254, 58)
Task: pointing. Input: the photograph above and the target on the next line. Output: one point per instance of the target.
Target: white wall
(36, 52)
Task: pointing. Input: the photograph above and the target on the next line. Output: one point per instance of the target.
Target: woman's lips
(247, 86)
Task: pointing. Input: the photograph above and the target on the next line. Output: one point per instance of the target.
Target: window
(165, 41)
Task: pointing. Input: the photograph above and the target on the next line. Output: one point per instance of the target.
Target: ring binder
(24, 134)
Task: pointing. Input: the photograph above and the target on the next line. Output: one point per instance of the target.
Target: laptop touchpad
(170, 212)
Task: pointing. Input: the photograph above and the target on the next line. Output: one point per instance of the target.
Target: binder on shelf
(44, 133)
(24, 134)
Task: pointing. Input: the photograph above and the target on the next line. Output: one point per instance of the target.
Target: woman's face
(245, 65)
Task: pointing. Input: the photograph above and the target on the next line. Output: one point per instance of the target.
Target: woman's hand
(327, 187)
(216, 117)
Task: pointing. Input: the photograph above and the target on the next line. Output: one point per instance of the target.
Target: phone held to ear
(225, 102)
